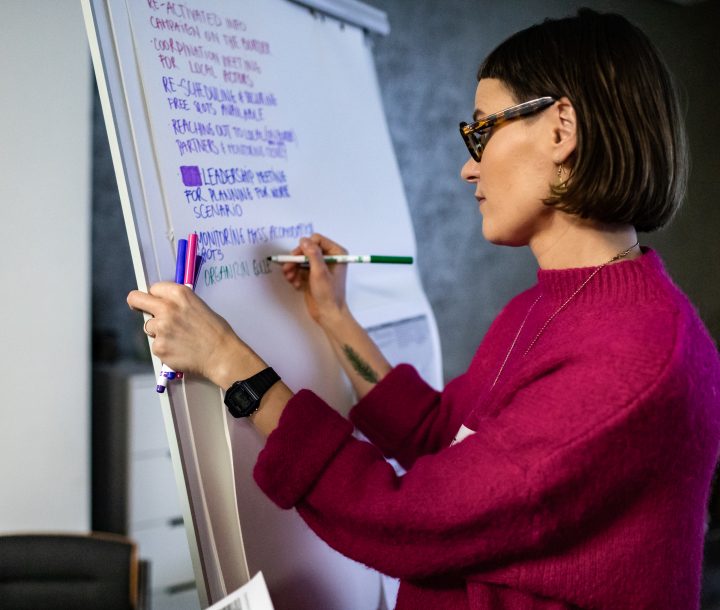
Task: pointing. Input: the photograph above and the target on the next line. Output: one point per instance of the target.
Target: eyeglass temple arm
(508, 113)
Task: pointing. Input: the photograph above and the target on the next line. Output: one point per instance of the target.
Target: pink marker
(190, 260)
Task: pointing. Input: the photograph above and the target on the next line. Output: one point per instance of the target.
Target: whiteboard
(253, 124)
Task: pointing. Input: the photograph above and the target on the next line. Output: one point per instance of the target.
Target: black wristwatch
(243, 397)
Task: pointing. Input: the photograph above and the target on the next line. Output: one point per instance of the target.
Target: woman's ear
(564, 130)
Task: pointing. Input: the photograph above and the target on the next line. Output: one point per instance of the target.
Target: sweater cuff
(386, 414)
(308, 435)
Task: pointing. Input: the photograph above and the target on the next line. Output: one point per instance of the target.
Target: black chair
(95, 571)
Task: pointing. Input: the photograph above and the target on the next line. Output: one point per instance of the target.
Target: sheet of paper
(252, 596)
(255, 124)
(407, 340)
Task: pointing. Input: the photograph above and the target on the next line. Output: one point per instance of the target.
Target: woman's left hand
(191, 337)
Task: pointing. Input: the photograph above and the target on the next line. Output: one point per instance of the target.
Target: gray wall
(45, 232)
(426, 69)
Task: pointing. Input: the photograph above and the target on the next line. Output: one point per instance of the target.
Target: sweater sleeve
(518, 488)
(405, 417)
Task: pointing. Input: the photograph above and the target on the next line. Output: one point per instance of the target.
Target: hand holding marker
(187, 268)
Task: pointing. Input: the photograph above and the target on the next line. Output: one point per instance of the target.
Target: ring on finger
(145, 328)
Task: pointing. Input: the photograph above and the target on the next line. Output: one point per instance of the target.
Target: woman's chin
(491, 234)
(500, 238)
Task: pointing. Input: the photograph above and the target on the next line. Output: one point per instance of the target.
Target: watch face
(243, 397)
(241, 400)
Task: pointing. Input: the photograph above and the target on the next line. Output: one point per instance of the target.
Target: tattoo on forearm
(361, 367)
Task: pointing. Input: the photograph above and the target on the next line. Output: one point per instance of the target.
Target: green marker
(344, 258)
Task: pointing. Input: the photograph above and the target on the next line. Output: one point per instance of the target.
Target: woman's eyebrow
(477, 114)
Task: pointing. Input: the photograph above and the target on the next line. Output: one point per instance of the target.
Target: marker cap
(161, 383)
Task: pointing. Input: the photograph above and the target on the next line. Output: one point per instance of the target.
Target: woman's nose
(469, 171)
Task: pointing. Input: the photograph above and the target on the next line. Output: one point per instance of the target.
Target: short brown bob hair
(631, 161)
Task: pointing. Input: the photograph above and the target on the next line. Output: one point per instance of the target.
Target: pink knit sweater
(584, 484)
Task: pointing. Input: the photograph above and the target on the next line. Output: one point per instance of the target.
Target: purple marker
(180, 264)
(179, 277)
(163, 378)
(192, 263)
(166, 373)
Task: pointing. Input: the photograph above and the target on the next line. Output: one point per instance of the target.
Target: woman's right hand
(323, 285)
(324, 289)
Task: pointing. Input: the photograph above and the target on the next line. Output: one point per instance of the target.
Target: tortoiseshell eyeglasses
(477, 134)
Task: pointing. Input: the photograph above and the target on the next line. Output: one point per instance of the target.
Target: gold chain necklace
(617, 257)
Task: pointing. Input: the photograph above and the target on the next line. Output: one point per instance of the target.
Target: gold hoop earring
(561, 184)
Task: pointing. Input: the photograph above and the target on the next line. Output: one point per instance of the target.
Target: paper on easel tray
(252, 596)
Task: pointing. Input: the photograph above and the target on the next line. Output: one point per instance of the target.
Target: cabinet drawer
(182, 600)
(167, 548)
(153, 493)
(147, 428)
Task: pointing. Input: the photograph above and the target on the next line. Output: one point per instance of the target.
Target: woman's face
(515, 172)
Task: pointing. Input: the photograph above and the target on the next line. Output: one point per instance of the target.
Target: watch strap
(243, 397)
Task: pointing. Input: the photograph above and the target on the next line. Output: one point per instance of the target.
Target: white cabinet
(153, 495)
(134, 491)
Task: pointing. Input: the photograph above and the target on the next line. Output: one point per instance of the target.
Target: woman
(569, 467)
